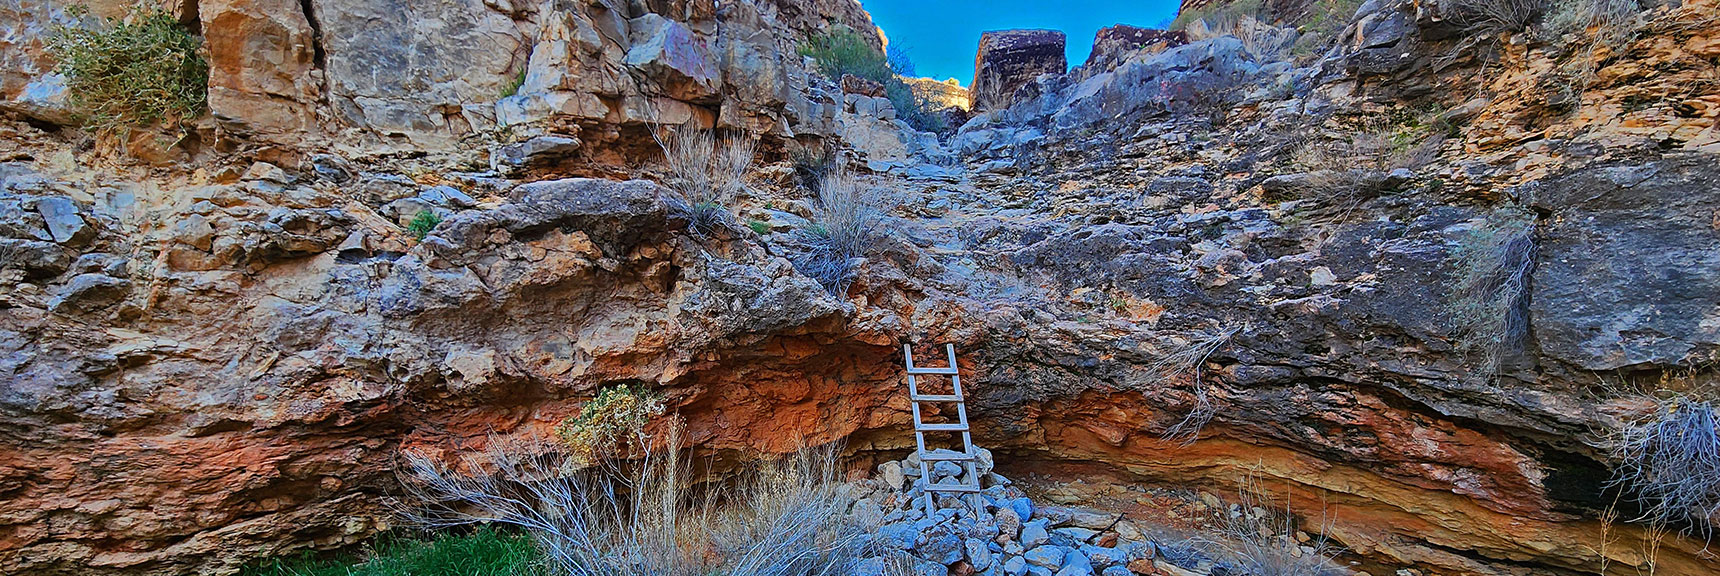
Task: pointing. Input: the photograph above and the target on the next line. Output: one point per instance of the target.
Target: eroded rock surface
(207, 367)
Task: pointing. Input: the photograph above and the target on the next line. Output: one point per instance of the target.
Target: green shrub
(617, 414)
(484, 552)
(139, 71)
(422, 224)
(841, 51)
(1217, 11)
(759, 227)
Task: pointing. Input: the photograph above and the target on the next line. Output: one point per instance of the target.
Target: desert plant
(485, 551)
(759, 227)
(1267, 43)
(1489, 303)
(1670, 459)
(1493, 17)
(1610, 20)
(913, 108)
(707, 173)
(618, 414)
(1215, 10)
(1483, 22)
(137, 71)
(1188, 356)
(513, 86)
(841, 50)
(1258, 539)
(641, 517)
(422, 224)
(848, 222)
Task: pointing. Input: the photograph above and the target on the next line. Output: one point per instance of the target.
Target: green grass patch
(141, 70)
(759, 227)
(513, 86)
(422, 224)
(484, 552)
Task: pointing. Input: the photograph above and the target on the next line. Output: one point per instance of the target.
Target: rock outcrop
(1111, 44)
(1008, 59)
(1174, 270)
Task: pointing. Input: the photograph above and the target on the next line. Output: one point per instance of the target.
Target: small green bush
(841, 51)
(759, 227)
(617, 414)
(484, 552)
(912, 108)
(422, 224)
(142, 70)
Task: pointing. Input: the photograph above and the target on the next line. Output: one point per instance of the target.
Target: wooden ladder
(927, 458)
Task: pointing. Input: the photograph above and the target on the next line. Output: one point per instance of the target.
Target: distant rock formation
(1008, 59)
(1109, 44)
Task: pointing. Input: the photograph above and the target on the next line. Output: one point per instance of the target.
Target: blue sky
(941, 36)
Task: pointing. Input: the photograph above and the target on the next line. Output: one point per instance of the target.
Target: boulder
(37, 259)
(676, 62)
(415, 69)
(89, 292)
(536, 151)
(852, 84)
(64, 220)
(261, 57)
(1628, 270)
(1111, 45)
(1008, 59)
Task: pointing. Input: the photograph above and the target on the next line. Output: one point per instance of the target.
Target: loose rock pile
(1007, 535)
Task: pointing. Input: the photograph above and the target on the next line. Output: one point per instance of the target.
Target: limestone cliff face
(213, 362)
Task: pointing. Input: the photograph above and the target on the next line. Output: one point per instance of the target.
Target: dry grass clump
(848, 221)
(1189, 357)
(1493, 17)
(1670, 459)
(1611, 21)
(1266, 42)
(707, 173)
(142, 70)
(643, 517)
(1342, 174)
(1489, 305)
(1258, 540)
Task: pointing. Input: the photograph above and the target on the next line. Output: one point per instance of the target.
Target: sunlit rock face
(219, 360)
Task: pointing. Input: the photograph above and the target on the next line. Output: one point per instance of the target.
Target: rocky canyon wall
(216, 355)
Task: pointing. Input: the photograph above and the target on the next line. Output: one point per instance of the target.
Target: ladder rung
(941, 428)
(936, 398)
(950, 371)
(936, 457)
(951, 488)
